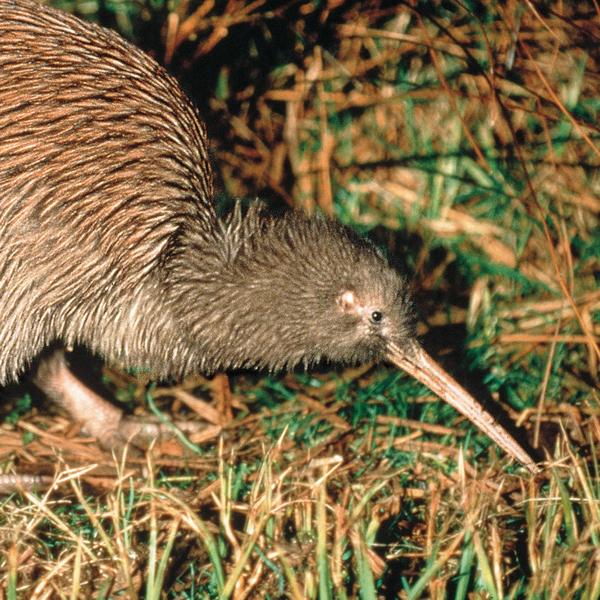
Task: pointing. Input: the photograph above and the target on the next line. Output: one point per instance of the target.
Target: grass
(463, 139)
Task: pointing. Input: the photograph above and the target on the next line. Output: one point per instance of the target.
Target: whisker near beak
(416, 362)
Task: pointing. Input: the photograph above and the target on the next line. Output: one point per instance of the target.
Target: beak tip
(417, 363)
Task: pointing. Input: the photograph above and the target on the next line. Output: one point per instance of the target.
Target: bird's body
(109, 237)
(103, 163)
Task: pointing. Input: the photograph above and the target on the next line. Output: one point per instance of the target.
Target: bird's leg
(99, 418)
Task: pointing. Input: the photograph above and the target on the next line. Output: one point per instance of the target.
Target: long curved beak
(416, 362)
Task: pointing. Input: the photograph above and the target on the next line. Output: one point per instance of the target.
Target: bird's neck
(240, 295)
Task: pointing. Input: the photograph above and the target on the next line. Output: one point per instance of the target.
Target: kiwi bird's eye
(376, 316)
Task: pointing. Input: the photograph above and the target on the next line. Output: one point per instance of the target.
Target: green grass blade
(322, 554)
(464, 571)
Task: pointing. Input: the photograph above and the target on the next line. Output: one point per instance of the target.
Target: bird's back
(102, 160)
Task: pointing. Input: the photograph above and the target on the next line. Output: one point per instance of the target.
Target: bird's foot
(11, 483)
(108, 424)
(99, 418)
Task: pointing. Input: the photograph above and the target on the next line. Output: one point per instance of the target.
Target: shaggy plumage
(109, 237)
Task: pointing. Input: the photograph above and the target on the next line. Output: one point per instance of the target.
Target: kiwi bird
(109, 237)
